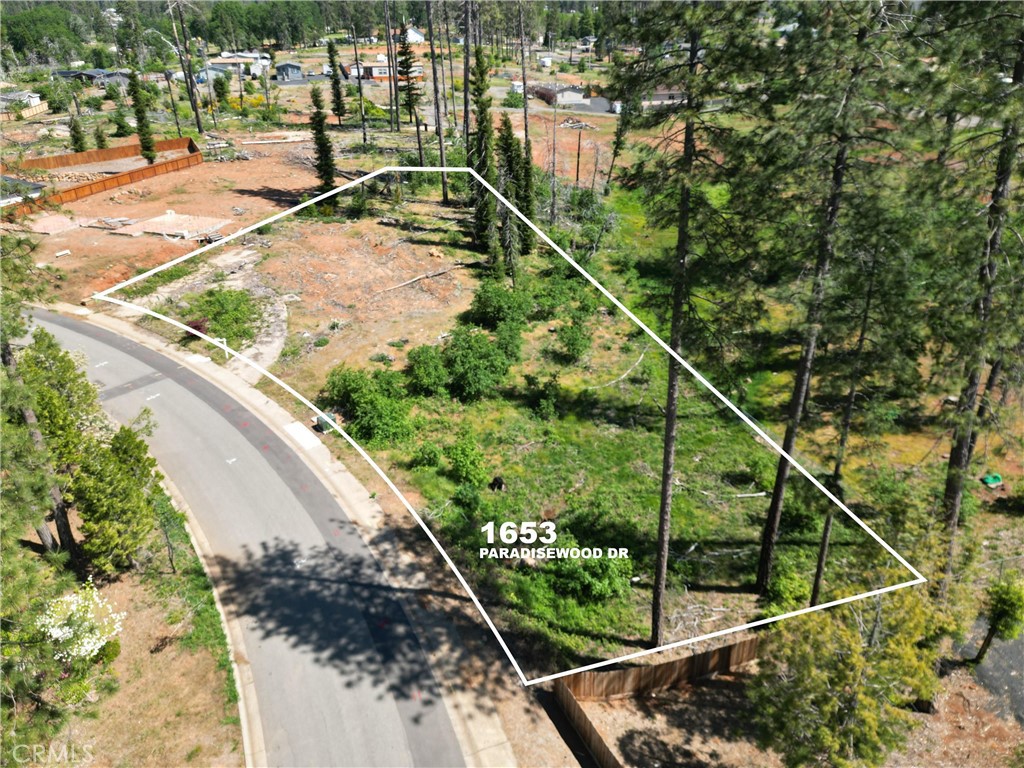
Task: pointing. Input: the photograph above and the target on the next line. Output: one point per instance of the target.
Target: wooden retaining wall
(77, 192)
(25, 113)
(600, 751)
(132, 149)
(638, 681)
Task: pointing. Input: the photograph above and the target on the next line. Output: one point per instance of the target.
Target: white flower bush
(80, 623)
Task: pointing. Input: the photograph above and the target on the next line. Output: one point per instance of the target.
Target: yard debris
(572, 122)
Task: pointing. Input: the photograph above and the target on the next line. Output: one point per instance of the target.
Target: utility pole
(579, 145)
(526, 109)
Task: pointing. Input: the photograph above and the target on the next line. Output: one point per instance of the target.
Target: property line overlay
(106, 296)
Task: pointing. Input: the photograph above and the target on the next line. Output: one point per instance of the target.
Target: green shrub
(513, 101)
(322, 341)
(476, 366)
(425, 371)
(509, 341)
(494, 304)
(787, 588)
(468, 497)
(110, 651)
(543, 398)
(229, 314)
(593, 580)
(426, 455)
(94, 102)
(575, 339)
(372, 405)
(467, 462)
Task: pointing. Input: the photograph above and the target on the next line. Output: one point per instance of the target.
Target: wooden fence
(638, 681)
(77, 192)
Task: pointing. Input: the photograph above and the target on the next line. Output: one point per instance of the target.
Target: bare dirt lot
(169, 708)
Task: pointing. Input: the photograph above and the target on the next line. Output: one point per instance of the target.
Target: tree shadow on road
(341, 608)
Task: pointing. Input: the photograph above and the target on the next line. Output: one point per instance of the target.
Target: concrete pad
(55, 223)
(173, 224)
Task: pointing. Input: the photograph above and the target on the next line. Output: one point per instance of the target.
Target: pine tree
(1004, 611)
(485, 215)
(110, 488)
(222, 90)
(77, 135)
(121, 126)
(410, 90)
(337, 99)
(511, 185)
(146, 141)
(834, 57)
(100, 137)
(976, 322)
(321, 141)
(673, 179)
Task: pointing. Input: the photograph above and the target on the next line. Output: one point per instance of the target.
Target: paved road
(339, 676)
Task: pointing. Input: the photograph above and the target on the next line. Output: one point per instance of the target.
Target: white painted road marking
(153, 397)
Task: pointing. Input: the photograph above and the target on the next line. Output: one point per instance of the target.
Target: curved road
(339, 677)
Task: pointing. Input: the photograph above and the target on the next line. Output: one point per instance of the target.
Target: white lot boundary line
(918, 578)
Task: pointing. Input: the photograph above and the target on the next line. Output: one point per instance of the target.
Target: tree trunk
(964, 436)
(174, 109)
(359, 82)
(801, 386)
(57, 503)
(989, 637)
(437, 101)
(419, 141)
(836, 481)
(467, 22)
(679, 291)
(186, 69)
(451, 65)
(526, 109)
(394, 121)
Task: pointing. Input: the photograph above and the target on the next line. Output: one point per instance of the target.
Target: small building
(118, 79)
(210, 72)
(27, 98)
(289, 70)
(516, 87)
(545, 61)
(410, 34)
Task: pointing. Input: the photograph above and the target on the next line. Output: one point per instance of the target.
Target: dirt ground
(170, 707)
(708, 724)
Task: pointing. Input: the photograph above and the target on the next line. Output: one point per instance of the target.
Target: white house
(545, 61)
(28, 98)
(414, 36)
(516, 87)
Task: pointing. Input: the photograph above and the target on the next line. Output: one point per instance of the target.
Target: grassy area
(573, 424)
(176, 577)
(151, 283)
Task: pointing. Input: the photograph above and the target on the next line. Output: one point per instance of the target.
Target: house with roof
(413, 35)
(289, 70)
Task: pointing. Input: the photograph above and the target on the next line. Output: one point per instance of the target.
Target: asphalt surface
(339, 676)
(1001, 671)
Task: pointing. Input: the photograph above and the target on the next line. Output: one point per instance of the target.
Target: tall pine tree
(323, 150)
(485, 214)
(146, 141)
(337, 99)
